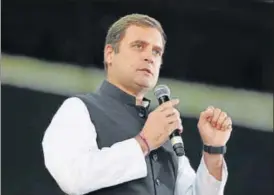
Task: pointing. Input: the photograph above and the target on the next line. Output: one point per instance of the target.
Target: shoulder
(89, 98)
(71, 106)
(72, 102)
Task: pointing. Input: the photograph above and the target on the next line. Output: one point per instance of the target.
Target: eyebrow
(146, 43)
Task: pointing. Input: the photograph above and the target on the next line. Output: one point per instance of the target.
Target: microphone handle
(163, 99)
(175, 137)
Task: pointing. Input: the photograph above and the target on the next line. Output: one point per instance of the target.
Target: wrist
(214, 150)
(143, 144)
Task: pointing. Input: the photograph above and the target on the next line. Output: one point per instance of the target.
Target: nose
(148, 60)
(148, 57)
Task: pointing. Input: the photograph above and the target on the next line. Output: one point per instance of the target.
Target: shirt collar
(108, 89)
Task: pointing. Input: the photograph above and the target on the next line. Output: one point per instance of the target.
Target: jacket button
(141, 114)
(155, 157)
(157, 181)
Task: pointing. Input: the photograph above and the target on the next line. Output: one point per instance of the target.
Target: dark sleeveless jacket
(117, 118)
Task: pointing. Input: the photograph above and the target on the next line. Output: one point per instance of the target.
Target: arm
(214, 163)
(200, 183)
(215, 128)
(73, 159)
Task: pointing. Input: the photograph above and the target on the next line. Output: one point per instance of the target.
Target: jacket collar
(108, 89)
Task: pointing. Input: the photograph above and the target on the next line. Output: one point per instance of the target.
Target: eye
(138, 46)
(157, 52)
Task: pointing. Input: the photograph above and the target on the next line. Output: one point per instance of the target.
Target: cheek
(157, 70)
(119, 62)
(157, 74)
(127, 60)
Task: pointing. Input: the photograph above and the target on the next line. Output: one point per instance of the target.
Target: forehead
(147, 34)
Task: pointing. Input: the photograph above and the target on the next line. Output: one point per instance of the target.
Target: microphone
(162, 93)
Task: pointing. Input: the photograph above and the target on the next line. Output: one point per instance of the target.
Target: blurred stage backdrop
(218, 53)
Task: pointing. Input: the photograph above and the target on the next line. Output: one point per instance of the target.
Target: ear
(108, 54)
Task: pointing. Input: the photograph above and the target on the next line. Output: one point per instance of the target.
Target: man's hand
(214, 126)
(160, 124)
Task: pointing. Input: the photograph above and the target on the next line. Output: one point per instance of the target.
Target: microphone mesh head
(161, 90)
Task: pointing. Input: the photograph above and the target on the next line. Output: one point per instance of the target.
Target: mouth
(146, 70)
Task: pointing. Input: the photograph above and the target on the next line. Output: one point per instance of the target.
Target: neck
(138, 94)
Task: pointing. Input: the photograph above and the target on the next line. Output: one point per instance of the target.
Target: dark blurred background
(218, 43)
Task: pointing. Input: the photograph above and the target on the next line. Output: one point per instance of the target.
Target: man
(105, 143)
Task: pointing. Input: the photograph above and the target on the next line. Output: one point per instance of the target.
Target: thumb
(175, 102)
(168, 105)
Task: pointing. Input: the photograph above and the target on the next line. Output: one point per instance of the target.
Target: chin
(145, 85)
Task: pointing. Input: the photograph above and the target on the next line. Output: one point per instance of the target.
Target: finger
(207, 114)
(177, 119)
(174, 126)
(216, 114)
(168, 104)
(181, 128)
(221, 120)
(169, 112)
(211, 109)
(227, 124)
(173, 119)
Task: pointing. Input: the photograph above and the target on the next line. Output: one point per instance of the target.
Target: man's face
(139, 58)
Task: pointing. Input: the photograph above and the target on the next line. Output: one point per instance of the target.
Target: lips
(146, 70)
